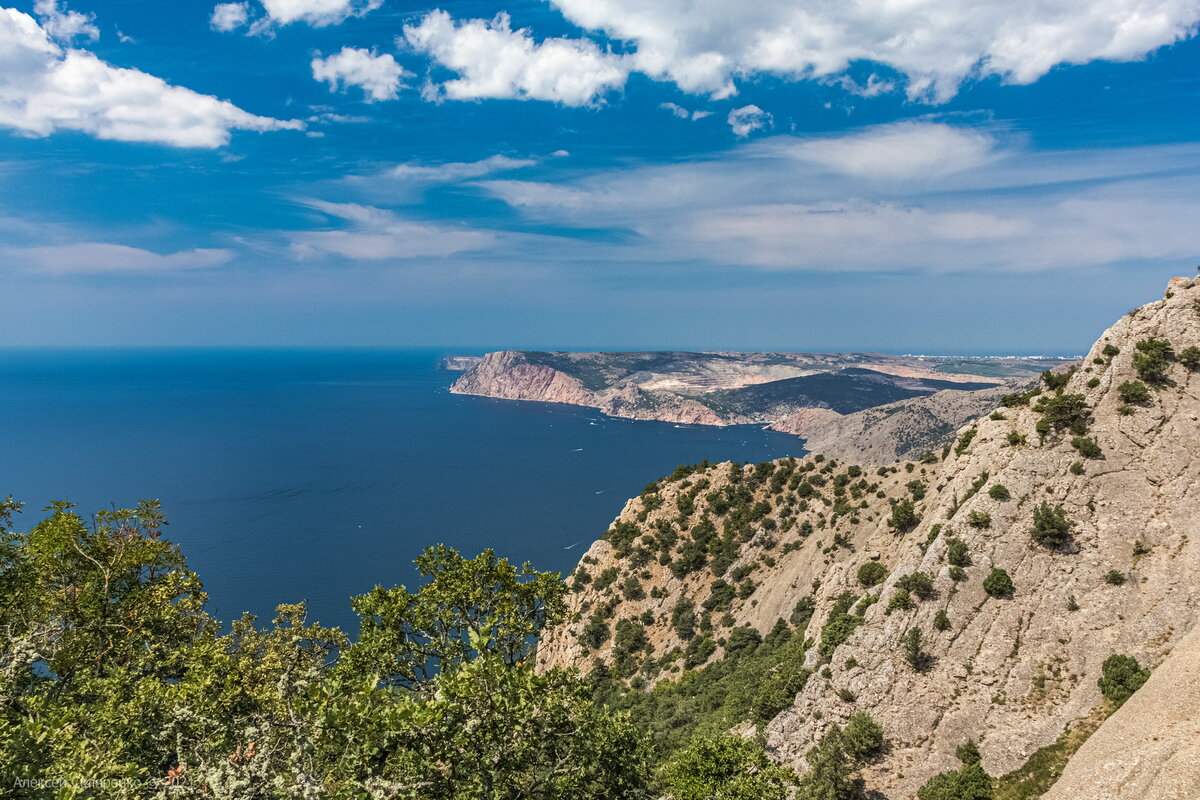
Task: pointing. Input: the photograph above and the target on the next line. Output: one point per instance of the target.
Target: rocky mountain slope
(1055, 532)
(803, 393)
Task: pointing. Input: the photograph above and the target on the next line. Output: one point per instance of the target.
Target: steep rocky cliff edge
(1103, 464)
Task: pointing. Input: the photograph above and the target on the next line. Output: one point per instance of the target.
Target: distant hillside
(777, 389)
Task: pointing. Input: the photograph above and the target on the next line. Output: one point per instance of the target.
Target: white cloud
(65, 25)
(458, 170)
(318, 13)
(839, 204)
(379, 76)
(229, 16)
(705, 46)
(494, 61)
(99, 257)
(747, 119)
(679, 111)
(45, 88)
(376, 234)
(901, 150)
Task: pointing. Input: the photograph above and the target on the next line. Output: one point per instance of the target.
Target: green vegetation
(918, 583)
(1035, 777)
(998, 583)
(836, 759)
(1152, 359)
(1050, 526)
(1120, 677)
(941, 621)
(904, 516)
(1114, 577)
(872, 573)
(964, 441)
(1134, 392)
(1087, 446)
(839, 626)
(914, 656)
(1190, 357)
(1063, 412)
(979, 519)
(725, 767)
(969, 783)
(957, 553)
(999, 492)
(114, 673)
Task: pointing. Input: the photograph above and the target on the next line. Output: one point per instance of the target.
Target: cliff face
(1011, 672)
(901, 431)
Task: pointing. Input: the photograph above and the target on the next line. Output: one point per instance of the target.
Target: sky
(930, 176)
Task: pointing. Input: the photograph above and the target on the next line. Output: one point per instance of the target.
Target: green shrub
(1050, 526)
(904, 516)
(979, 519)
(1134, 392)
(632, 588)
(606, 579)
(698, 651)
(863, 737)
(1126, 411)
(918, 583)
(1190, 357)
(1076, 468)
(957, 553)
(999, 492)
(1015, 439)
(914, 656)
(595, 633)
(1063, 412)
(720, 596)
(872, 573)
(969, 783)
(901, 601)
(725, 767)
(742, 640)
(997, 416)
(1120, 677)
(1114, 577)
(1093, 383)
(941, 621)
(839, 626)
(683, 620)
(1056, 380)
(958, 574)
(998, 583)
(1110, 350)
(1152, 359)
(1087, 446)
(964, 441)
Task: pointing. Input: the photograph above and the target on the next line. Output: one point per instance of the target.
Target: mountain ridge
(1011, 670)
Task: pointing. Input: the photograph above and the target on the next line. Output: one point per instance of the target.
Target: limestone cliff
(738, 547)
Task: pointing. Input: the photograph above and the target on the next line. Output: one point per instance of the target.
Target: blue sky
(938, 176)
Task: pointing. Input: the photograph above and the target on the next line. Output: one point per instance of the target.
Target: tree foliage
(112, 674)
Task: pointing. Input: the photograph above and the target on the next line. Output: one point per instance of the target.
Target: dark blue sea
(314, 475)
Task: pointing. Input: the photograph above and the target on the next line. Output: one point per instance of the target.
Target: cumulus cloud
(65, 25)
(100, 257)
(747, 119)
(229, 16)
(705, 46)
(901, 150)
(376, 234)
(379, 76)
(318, 13)
(46, 88)
(494, 61)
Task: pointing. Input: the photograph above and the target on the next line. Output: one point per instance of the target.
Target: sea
(315, 475)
